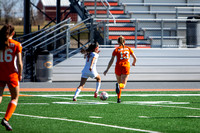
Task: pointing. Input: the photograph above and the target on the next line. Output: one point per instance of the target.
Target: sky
(18, 9)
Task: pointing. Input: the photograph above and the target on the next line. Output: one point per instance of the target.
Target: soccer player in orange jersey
(10, 69)
(122, 67)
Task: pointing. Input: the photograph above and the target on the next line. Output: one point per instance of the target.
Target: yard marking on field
(96, 117)
(85, 122)
(194, 116)
(33, 103)
(177, 107)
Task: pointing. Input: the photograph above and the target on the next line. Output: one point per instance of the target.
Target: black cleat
(117, 88)
(118, 100)
(5, 123)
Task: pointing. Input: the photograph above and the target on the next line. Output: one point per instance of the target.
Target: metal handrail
(108, 9)
(140, 19)
(48, 29)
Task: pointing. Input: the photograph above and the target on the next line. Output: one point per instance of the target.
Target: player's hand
(90, 68)
(20, 77)
(133, 64)
(105, 72)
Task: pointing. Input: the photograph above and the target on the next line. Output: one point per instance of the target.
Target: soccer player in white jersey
(91, 55)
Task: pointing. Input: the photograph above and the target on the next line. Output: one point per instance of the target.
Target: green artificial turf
(165, 113)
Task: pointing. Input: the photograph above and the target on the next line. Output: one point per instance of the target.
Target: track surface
(110, 86)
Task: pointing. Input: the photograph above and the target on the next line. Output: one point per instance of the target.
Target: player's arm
(92, 62)
(20, 65)
(134, 59)
(109, 64)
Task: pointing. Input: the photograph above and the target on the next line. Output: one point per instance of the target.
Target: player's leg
(124, 79)
(78, 90)
(1, 93)
(2, 86)
(118, 90)
(98, 85)
(14, 91)
(13, 103)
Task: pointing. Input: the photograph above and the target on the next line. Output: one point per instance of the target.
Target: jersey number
(124, 55)
(6, 56)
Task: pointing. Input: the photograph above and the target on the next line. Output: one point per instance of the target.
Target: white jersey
(86, 73)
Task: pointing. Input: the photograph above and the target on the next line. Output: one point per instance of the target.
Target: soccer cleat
(117, 88)
(118, 100)
(74, 99)
(95, 94)
(5, 123)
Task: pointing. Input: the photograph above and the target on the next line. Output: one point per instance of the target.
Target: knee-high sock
(10, 109)
(77, 92)
(121, 86)
(98, 85)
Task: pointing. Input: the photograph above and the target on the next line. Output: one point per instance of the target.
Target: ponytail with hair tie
(121, 40)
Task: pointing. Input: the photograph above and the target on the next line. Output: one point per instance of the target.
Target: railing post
(95, 10)
(67, 42)
(107, 27)
(162, 33)
(104, 32)
(136, 29)
(92, 30)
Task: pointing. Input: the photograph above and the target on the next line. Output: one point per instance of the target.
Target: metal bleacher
(153, 64)
(155, 29)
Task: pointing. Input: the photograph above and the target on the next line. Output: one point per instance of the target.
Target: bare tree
(7, 6)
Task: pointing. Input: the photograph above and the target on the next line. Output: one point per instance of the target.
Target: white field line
(84, 122)
(177, 107)
(114, 95)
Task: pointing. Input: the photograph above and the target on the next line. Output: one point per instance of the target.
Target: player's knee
(99, 79)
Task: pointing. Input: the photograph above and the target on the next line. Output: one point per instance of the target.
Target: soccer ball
(104, 95)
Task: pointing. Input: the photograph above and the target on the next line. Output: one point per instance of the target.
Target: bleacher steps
(152, 65)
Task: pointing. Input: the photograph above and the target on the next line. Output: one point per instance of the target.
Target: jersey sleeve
(96, 55)
(19, 48)
(131, 51)
(114, 53)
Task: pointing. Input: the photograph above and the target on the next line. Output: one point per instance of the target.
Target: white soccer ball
(104, 95)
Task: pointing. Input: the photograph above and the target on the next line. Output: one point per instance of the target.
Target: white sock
(77, 92)
(98, 85)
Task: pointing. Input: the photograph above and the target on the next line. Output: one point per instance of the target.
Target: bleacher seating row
(153, 64)
(146, 9)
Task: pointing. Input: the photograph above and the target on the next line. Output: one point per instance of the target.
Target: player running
(91, 55)
(11, 70)
(122, 67)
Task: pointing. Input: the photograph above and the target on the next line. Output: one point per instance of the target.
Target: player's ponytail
(5, 32)
(121, 41)
(91, 48)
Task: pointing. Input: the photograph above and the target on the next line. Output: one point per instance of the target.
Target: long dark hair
(5, 32)
(90, 49)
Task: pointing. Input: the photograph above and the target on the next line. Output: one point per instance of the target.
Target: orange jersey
(123, 55)
(8, 61)
(123, 60)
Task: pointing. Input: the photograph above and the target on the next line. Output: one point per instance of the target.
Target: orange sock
(120, 92)
(121, 86)
(10, 110)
